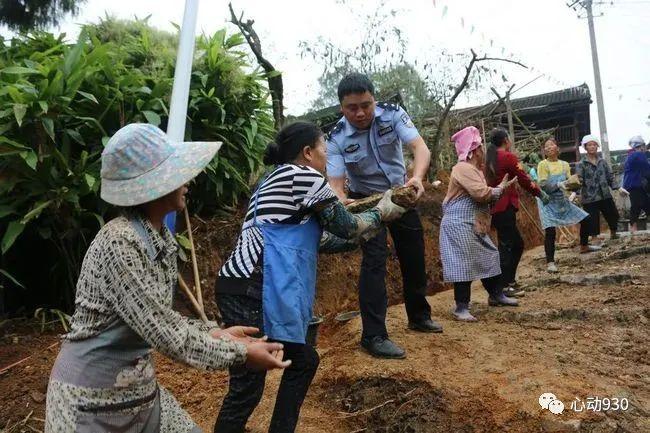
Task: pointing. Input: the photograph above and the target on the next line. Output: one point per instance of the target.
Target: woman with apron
(466, 250)
(559, 211)
(269, 280)
(103, 379)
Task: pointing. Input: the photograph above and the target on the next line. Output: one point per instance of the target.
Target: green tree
(30, 14)
(60, 103)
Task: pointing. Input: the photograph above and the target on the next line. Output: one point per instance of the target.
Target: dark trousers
(549, 243)
(408, 237)
(590, 226)
(246, 386)
(462, 290)
(639, 201)
(511, 244)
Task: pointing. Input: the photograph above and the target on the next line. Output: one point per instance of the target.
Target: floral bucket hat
(140, 164)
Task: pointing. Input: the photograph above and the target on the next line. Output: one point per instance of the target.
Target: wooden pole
(195, 266)
(511, 126)
(521, 205)
(192, 299)
(483, 128)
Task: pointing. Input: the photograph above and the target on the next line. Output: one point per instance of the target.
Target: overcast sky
(544, 34)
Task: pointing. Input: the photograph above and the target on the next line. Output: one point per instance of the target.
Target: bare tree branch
(459, 89)
(273, 76)
(499, 59)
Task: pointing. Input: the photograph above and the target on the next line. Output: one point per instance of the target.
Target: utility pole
(600, 103)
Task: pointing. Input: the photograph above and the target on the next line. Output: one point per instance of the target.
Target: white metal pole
(183, 72)
(181, 86)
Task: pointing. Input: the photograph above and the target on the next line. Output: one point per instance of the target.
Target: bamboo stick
(192, 299)
(195, 266)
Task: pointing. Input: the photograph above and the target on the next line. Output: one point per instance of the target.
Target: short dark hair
(355, 83)
(290, 141)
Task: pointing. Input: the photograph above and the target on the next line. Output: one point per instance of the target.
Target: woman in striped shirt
(269, 279)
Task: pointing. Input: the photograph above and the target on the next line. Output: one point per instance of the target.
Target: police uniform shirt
(372, 159)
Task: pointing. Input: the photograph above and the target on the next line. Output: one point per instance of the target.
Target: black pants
(590, 226)
(246, 386)
(549, 244)
(639, 201)
(408, 238)
(511, 244)
(462, 290)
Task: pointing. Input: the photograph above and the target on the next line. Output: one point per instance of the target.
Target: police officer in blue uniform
(365, 149)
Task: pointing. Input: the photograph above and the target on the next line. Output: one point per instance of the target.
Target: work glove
(545, 198)
(389, 211)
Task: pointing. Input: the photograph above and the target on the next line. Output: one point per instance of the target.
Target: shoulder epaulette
(337, 128)
(391, 106)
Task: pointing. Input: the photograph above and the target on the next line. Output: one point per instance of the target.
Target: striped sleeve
(310, 188)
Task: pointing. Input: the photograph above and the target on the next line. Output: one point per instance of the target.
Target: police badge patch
(352, 148)
(406, 120)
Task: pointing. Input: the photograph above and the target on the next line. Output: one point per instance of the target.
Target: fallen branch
(350, 415)
(3, 370)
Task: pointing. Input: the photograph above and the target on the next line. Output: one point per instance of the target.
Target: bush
(60, 103)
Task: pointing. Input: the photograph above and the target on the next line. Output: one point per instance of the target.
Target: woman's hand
(545, 198)
(241, 334)
(506, 182)
(388, 210)
(261, 356)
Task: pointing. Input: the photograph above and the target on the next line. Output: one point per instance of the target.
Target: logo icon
(546, 398)
(549, 401)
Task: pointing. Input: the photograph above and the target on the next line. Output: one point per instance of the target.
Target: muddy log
(405, 196)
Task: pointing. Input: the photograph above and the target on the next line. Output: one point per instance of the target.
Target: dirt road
(578, 334)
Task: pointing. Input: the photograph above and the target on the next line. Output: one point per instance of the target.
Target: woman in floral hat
(103, 379)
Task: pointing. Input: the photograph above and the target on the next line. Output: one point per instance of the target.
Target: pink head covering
(466, 140)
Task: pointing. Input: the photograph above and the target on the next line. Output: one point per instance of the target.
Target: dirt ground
(578, 334)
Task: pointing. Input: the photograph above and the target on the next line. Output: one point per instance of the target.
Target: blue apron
(289, 277)
(559, 211)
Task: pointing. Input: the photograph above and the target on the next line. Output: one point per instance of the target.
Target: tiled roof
(543, 101)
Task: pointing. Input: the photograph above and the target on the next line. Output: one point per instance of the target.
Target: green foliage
(59, 104)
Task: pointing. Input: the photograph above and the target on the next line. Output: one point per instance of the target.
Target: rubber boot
(501, 300)
(462, 312)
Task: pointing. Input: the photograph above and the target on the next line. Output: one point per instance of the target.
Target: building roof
(542, 102)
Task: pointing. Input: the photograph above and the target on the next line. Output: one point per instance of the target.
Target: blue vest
(289, 277)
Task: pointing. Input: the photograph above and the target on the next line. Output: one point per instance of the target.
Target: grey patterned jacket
(596, 180)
